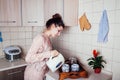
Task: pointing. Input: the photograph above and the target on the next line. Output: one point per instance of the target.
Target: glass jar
(73, 60)
(65, 68)
(75, 67)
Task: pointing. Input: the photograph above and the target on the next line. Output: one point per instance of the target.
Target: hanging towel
(84, 23)
(1, 37)
(103, 28)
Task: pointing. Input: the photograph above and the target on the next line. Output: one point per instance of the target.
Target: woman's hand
(54, 53)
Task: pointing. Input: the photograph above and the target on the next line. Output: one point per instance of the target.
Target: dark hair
(56, 19)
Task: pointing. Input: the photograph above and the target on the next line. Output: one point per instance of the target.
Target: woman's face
(56, 30)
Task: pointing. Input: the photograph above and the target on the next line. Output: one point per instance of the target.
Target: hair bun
(57, 16)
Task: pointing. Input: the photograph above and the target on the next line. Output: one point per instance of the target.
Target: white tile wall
(96, 7)
(116, 71)
(117, 14)
(81, 43)
(109, 4)
(117, 4)
(21, 36)
(116, 56)
(117, 42)
(6, 37)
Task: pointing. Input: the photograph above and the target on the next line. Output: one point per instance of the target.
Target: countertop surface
(104, 75)
(5, 64)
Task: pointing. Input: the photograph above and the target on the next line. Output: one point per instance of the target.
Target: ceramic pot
(97, 70)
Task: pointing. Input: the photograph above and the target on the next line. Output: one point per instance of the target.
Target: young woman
(41, 49)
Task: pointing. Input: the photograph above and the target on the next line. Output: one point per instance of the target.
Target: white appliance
(12, 52)
(55, 62)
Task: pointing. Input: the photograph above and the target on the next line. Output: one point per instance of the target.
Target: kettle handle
(52, 57)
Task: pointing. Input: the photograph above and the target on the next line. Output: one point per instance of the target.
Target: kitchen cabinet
(35, 12)
(10, 12)
(71, 12)
(21, 13)
(13, 74)
(32, 12)
(68, 9)
(52, 7)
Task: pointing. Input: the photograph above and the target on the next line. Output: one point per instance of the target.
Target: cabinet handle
(32, 22)
(7, 21)
(14, 72)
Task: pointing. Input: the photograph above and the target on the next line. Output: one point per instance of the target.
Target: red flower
(95, 53)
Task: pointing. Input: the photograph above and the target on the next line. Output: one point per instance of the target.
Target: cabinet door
(13, 74)
(52, 7)
(10, 13)
(32, 12)
(2, 76)
(71, 12)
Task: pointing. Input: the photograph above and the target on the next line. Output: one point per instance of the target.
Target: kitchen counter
(5, 64)
(104, 75)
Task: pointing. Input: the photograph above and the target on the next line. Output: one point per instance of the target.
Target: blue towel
(1, 40)
(103, 28)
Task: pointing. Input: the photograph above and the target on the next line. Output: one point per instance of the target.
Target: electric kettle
(55, 62)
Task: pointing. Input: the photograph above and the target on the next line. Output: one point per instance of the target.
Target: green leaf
(91, 63)
(91, 59)
(104, 61)
(102, 66)
(96, 62)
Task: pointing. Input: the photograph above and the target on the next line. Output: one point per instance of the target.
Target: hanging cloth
(1, 37)
(84, 23)
(103, 28)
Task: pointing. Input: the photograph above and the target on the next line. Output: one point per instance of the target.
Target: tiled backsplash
(74, 42)
(21, 36)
